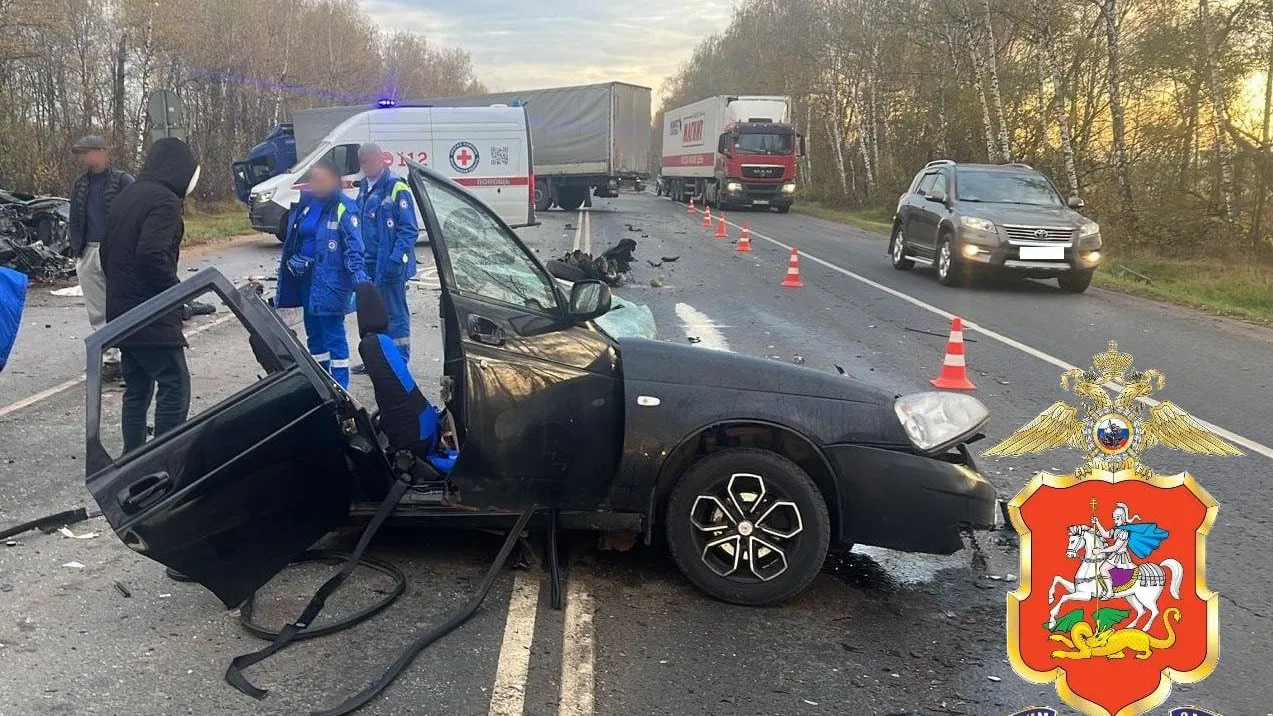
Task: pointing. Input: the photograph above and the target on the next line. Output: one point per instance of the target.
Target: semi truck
(587, 139)
(732, 151)
(273, 156)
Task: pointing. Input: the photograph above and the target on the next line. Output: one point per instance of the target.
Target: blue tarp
(13, 296)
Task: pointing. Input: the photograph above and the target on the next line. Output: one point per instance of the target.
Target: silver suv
(961, 218)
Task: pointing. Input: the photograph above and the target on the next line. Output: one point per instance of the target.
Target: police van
(485, 149)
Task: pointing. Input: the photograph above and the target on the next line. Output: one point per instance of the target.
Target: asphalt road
(878, 632)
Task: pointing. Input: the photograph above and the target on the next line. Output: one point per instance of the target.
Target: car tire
(785, 527)
(543, 197)
(1075, 281)
(783, 209)
(281, 232)
(897, 251)
(571, 198)
(949, 271)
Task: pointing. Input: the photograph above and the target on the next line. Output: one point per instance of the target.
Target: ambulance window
(345, 156)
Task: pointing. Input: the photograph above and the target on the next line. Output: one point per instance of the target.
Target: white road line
(578, 651)
(701, 326)
(63, 387)
(579, 219)
(1233, 437)
(508, 695)
(587, 231)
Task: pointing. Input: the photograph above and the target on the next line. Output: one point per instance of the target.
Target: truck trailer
(587, 139)
(732, 151)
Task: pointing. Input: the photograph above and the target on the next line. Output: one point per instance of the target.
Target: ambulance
(485, 149)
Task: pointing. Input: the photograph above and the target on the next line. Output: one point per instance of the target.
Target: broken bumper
(903, 501)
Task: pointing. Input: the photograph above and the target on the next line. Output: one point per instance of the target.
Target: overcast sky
(528, 44)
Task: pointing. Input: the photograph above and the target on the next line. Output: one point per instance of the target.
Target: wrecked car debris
(33, 236)
(610, 266)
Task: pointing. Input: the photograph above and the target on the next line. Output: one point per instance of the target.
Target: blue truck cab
(270, 158)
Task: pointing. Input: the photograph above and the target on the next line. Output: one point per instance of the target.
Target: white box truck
(485, 149)
(731, 150)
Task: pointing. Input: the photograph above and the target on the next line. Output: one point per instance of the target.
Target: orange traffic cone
(793, 279)
(691, 208)
(707, 217)
(954, 372)
(744, 239)
(722, 231)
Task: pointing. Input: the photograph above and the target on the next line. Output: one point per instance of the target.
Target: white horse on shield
(1141, 591)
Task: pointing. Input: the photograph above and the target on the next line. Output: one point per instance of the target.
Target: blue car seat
(407, 418)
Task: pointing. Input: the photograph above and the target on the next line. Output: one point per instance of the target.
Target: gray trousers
(93, 282)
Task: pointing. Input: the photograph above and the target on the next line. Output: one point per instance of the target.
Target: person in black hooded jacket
(139, 257)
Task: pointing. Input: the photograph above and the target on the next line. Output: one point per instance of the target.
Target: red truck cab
(756, 165)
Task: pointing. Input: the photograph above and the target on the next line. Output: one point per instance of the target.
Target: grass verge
(879, 220)
(210, 223)
(1240, 290)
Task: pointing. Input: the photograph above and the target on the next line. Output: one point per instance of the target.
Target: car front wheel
(1076, 282)
(948, 268)
(748, 526)
(897, 251)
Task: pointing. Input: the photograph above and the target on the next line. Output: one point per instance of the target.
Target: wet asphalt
(877, 633)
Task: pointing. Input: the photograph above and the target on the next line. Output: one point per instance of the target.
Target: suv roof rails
(939, 163)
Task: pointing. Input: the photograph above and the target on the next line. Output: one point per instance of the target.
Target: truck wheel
(571, 198)
(784, 208)
(543, 197)
(748, 526)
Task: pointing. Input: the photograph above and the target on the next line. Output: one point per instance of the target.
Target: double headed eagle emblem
(1113, 430)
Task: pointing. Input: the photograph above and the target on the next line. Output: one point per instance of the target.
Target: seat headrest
(373, 314)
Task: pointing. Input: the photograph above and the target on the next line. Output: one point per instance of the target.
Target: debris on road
(66, 532)
(694, 339)
(610, 266)
(670, 259)
(33, 236)
(119, 586)
(71, 291)
(73, 565)
(656, 282)
(654, 264)
(48, 523)
(797, 359)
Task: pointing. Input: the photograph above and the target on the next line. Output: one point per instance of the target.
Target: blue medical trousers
(395, 295)
(325, 336)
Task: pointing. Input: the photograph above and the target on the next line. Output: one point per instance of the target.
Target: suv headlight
(263, 196)
(978, 223)
(1091, 228)
(788, 188)
(935, 421)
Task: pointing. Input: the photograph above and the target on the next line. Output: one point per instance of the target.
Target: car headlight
(263, 196)
(1091, 228)
(733, 186)
(978, 223)
(935, 421)
(788, 188)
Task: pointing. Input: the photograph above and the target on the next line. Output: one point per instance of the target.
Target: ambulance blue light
(386, 103)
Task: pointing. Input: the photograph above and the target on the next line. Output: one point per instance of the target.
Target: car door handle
(484, 330)
(145, 492)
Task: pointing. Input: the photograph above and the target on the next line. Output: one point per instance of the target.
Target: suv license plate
(1042, 253)
(761, 202)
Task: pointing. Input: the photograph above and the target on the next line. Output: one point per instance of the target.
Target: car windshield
(1002, 187)
(310, 158)
(764, 143)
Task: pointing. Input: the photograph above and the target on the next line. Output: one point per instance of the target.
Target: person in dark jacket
(321, 265)
(139, 255)
(92, 195)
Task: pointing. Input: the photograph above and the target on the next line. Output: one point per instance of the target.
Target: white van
(485, 149)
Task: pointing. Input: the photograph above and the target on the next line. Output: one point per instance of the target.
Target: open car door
(233, 494)
(537, 393)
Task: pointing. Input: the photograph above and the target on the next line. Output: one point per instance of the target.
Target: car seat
(407, 419)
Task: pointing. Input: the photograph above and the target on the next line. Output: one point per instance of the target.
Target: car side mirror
(722, 144)
(588, 299)
(1076, 203)
(936, 195)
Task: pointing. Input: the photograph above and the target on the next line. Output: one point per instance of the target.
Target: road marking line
(702, 326)
(587, 231)
(63, 387)
(1233, 437)
(508, 695)
(578, 652)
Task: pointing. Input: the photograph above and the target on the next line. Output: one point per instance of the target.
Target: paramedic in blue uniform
(322, 263)
(387, 210)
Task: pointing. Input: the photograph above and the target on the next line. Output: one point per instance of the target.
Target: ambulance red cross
(464, 157)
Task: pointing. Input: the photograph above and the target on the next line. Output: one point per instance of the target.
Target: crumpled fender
(13, 296)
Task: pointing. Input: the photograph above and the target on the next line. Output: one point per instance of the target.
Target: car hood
(1021, 214)
(670, 363)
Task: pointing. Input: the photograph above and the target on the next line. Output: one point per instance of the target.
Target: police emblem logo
(1113, 603)
(464, 157)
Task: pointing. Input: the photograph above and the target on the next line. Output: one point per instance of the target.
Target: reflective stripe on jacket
(337, 268)
(389, 227)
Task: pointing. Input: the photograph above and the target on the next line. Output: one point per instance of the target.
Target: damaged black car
(33, 236)
(752, 469)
